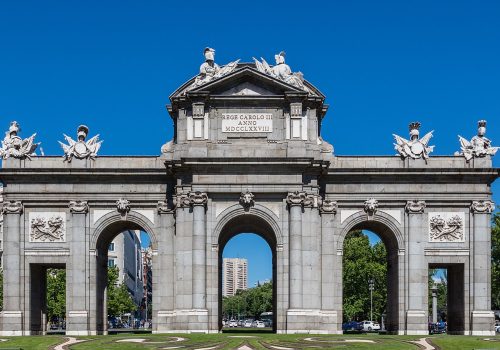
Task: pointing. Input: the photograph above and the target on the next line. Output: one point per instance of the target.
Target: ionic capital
(198, 198)
(78, 207)
(415, 207)
(163, 207)
(12, 207)
(482, 207)
(296, 198)
(182, 201)
(328, 206)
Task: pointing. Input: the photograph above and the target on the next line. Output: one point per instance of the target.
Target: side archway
(388, 230)
(103, 232)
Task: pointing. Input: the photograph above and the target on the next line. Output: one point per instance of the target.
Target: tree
(495, 262)
(119, 299)
(56, 294)
(249, 302)
(441, 283)
(361, 261)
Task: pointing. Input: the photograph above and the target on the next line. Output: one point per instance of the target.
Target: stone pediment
(244, 81)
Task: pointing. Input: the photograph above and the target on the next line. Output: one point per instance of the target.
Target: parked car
(268, 323)
(233, 323)
(438, 327)
(248, 323)
(352, 326)
(260, 324)
(369, 326)
(497, 328)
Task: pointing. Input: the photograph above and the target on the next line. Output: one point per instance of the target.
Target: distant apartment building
(147, 278)
(125, 252)
(235, 275)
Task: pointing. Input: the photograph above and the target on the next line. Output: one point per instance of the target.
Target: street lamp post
(371, 285)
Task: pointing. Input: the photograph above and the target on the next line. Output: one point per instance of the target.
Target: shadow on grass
(247, 331)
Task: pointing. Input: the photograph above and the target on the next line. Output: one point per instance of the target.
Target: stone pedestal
(482, 323)
(312, 321)
(416, 322)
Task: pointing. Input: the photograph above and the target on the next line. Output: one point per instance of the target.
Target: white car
(233, 323)
(248, 323)
(369, 326)
(260, 324)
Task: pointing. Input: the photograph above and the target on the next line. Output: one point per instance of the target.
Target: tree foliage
(495, 262)
(56, 294)
(361, 261)
(249, 302)
(119, 299)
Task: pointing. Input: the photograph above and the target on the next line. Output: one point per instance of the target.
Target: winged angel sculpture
(479, 146)
(81, 149)
(16, 147)
(415, 147)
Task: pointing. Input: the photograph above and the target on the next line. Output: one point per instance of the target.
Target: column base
(416, 322)
(77, 323)
(183, 321)
(482, 323)
(12, 323)
(312, 321)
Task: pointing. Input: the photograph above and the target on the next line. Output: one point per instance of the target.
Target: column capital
(198, 198)
(328, 206)
(415, 207)
(163, 207)
(482, 207)
(12, 207)
(296, 198)
(78, 207)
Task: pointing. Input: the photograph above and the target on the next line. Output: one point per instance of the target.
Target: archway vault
(256, 219)
(111, 224)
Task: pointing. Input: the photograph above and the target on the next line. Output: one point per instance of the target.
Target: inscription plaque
(247, 122)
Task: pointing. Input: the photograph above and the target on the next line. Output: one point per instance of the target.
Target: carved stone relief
(415, 207)
(16, 147)
(479, 146)
(123, 206)
(446, 227)
(415, 147)
(371, 206)
(247, 199)
(81, 149)
(47, 227)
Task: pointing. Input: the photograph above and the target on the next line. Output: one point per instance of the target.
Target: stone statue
(210, 70)
(281, 71)
(479, 146)
(15, 147)
(81, 149)
(415, 147)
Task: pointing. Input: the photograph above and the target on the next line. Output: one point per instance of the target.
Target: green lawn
(257, 341)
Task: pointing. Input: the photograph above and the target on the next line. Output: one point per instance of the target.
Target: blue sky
(381, 64)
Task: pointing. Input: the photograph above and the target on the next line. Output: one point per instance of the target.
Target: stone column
(331, 304)
(434, 304)
(416, 313)
(12, 315)
(76, 279)
(199, 201)
(295, 202)
(482, 316)
(163, 270)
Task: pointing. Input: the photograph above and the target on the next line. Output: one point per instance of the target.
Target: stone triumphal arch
(247, 156)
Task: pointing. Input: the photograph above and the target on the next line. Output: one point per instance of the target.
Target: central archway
(260, 221)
